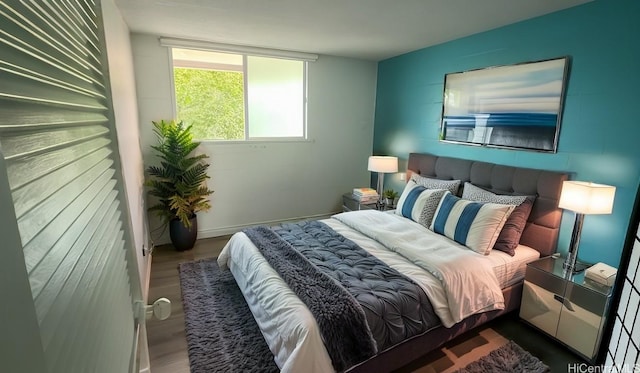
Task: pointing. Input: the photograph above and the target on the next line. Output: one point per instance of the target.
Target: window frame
(245, 52)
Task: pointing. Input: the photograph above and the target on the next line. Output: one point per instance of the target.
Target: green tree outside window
(212, 102)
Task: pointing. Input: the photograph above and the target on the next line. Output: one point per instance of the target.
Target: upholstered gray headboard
(543, 226)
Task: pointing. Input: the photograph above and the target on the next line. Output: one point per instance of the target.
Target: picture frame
(513, 106)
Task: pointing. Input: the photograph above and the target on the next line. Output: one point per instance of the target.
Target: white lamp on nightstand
(583, 198)
(382, 165)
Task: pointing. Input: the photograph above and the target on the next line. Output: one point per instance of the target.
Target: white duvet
(458, 281)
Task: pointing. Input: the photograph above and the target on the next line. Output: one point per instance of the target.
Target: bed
(436, 300)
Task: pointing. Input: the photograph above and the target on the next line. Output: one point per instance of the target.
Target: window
(231, 96)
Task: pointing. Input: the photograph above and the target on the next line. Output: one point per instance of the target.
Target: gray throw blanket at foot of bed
(333, 274)
(341, 321)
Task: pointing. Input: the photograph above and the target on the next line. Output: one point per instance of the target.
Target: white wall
(125, 107)
(268, 182)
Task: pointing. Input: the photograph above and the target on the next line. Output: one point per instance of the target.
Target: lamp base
(570, 270)
(380, 188)
(570, 265)
(579, 266)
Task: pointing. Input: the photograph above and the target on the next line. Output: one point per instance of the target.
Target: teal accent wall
(600, 131)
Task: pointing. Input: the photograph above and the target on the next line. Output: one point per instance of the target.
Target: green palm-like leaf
(179, 181)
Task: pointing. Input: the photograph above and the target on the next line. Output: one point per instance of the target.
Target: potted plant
(178, 183)
(389, 197)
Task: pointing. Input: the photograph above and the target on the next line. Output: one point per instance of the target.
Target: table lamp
(583, 198)
(382, 165)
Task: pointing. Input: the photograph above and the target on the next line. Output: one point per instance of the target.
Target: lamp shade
(383, 164)
(587, 198)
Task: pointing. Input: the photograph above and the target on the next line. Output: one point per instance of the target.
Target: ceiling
(364, 29)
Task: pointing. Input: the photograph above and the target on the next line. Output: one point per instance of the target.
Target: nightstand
(350, 203)
(569, 309)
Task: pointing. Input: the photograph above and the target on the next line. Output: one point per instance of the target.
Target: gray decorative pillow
(429, 183)
(430, 207)
(473, 193)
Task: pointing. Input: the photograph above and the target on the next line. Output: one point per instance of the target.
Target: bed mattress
(510, 269)
(284, 320)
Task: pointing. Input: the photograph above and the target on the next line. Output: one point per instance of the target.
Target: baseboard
(144, 359)
(146, 281)
(224, 231)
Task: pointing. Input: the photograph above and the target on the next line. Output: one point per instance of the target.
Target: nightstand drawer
(580, 329)
(350, 203)
(540, 308)
(591, 301)
(542, 279)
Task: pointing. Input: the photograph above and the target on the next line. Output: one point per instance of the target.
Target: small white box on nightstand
(602, 274)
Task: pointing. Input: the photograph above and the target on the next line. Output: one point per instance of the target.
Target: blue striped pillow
(419, 203)
(475, 225)
(410, 201)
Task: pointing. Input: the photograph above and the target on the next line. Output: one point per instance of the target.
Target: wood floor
(167, 339)
(168, 345)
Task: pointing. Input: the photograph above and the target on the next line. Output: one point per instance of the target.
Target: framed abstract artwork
(516, 106)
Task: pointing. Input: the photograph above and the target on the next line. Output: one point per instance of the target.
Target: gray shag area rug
(222, 335)
(508, 358)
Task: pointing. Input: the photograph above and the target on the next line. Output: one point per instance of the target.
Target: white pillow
(473, 224)
(419, 203)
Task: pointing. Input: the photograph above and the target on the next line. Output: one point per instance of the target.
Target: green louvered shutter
(61, 160)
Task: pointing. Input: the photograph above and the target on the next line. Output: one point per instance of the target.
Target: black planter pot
(183, 238)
